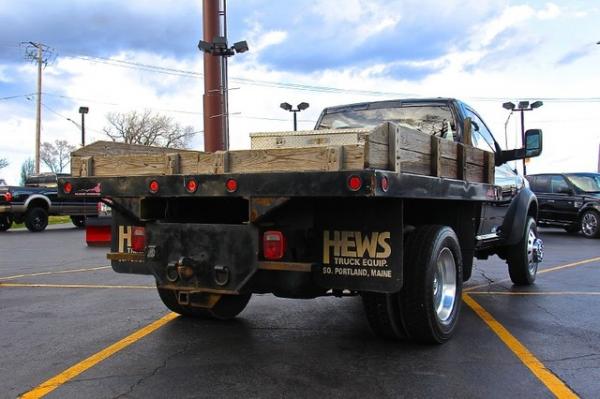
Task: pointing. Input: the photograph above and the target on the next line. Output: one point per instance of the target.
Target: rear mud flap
(361, 246)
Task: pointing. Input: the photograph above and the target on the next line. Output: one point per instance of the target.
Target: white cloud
(550, 12)
(510, 17)
(367, 18)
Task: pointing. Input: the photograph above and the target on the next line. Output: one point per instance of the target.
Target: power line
(17, 96)
(295, 86)
(179, 111)
(298, 86)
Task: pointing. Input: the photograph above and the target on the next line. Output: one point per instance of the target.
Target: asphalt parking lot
(73, 328)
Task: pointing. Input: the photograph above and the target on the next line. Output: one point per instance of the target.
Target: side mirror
(533, 148)
(533, 143)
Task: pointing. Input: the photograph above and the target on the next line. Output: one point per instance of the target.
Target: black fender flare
(523, 205)
(592, 205)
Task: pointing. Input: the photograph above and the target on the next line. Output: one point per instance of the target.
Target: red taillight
(385, 183)
(8, 197)
(138, 239)
(355, 183)
(67, 188)
(154, 187)
(231, 185)
(273, 245)
(191, 186)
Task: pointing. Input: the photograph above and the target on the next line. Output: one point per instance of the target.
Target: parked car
(569, 200)
(33, 203)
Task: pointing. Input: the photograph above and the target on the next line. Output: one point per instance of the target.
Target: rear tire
(227, 308)
(590, 224)
(431, 298)
(36, 220)
(78, 221)
(522, 263)
(384, 315)
(428, 307)
(5, 222)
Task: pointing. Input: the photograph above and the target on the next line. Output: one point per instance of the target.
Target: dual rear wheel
(428, 307)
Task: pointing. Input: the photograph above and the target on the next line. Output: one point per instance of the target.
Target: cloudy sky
(132, 55)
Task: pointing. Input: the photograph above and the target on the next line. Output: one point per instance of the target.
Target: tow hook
(538, 250)
(221, 275)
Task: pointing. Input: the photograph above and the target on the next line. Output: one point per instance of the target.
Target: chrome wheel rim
(444, 285)
(532, 258)
(589, 224)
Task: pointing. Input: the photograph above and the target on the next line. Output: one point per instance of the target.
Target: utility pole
(38, 114)
(38, 53)
(216, 51)
(214, 118)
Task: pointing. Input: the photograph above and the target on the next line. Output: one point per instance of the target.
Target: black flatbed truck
(403, 240)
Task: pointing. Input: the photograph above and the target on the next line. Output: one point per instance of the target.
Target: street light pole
(83, 111)
(522, 107)
(301, 107)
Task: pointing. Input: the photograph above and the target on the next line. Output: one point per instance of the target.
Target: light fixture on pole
(301, 107)
(83, 111)
(522, 107)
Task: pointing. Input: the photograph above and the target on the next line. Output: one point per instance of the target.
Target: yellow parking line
(34, 285)
(552, 382)
(524, 293)
(72, 372)
(92, 269)
(568, 266)
(542, 271)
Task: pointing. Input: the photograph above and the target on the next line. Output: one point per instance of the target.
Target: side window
(559, 185)
(542, 184)
(532, 182)
(482, 138)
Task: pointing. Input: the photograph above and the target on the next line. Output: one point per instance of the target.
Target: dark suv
(569, 200)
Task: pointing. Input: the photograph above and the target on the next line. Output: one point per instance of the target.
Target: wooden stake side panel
(350, 157)
(388, 147)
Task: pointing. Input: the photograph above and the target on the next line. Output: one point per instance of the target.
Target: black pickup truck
(302, 218)
(33, 203)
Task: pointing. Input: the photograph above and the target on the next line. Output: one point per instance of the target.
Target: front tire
(36, 220)
(523, 258)
(227, 308)
(5, 222)
(590, 224)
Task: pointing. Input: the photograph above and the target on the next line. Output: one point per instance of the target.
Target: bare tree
(57, 156)
(3, 163)
(27, 169)
(147, 128)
